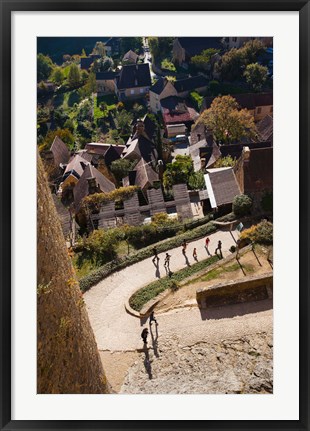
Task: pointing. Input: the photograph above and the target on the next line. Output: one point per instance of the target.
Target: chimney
(92, 185)
(246, 152)
(139, 127)
(160, 165)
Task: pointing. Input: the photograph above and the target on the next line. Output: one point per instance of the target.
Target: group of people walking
(218, 252)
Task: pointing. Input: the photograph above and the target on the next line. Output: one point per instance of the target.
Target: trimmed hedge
(153, 289)
(104, 271)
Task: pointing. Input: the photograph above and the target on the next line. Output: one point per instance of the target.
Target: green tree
(234, 60)
(124, 119)
(64, 134)
(74, 76)
(196, 181)
(154, 46)
(241, 205)
(83, 55)
(84, 76)
(120, 168)
(202, 60)
(133, 43)
(58, 76)
(99, 49)
(225, 162)
(227, 122)
(256, 75)
(178, 172)
(45, 67)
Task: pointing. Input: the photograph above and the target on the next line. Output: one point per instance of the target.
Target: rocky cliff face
(68, 361)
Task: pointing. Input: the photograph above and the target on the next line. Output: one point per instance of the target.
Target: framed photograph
(154, 215)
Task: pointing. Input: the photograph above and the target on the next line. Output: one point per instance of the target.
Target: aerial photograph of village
(154, 215)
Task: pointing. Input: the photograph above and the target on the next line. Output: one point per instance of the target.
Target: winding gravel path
(116, 330)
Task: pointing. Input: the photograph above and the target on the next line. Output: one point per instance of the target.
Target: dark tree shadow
(253, 250)
(154, 339)
(241, 267)
(233, 236)
(147, 362)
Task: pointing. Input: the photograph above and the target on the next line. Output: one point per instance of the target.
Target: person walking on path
(167, 262)
(152, 318)
(219, 248)
(184, 245)
(195, 254)
(144, 335)
(155, 255)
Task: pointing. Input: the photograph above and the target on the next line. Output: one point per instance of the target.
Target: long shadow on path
(154, 339)
(241, 309)
(147, 362)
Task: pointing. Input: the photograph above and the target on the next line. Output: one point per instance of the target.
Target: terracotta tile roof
(60, 151)
(175, 110)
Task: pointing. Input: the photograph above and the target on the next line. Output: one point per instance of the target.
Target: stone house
(222, 187)
(184, 48)
(133, 82)
(254, 173)
(140, 145)
(130, 57)
(143, 176)
(160, 90)
(106, 82)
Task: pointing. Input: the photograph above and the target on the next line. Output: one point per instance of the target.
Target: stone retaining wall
(250, 288)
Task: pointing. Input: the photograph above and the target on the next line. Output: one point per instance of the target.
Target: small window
(141, 90)
(259, 110)
(132, 91)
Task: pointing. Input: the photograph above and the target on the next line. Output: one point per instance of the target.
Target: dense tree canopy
(133, 43)
(256, 75)
(124, 120)
(227, 121)
(235, 60)
(120, 168)
(241, 205)
(58, 76)
(178, 172)
(74, 76)
(44, 67)
(99, 49)
(202, 60)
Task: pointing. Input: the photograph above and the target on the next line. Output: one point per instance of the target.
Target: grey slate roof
(195, 45)
(134, 75)
(190, 84)
(222, 186)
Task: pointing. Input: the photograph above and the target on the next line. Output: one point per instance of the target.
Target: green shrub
(242, 205)
(197, 99)
(142, 296)
(261, 233)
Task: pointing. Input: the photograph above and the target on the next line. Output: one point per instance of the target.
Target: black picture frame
(7, 7)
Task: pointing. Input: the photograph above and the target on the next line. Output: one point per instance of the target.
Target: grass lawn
(110, 101)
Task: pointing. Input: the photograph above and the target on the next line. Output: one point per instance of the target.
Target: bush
(142, 296)
(261, 233)
(241, 205)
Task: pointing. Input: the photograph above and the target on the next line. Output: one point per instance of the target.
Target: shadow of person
(157, 272)
(195, 258)
(154, 340)
(147, 362)
(207, 250)
(186, 260)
